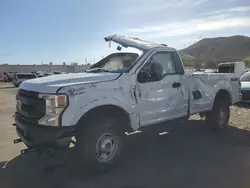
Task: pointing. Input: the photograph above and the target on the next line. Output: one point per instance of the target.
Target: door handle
(176, 85)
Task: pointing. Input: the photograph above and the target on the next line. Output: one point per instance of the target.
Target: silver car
(20, 77)
(245, 87)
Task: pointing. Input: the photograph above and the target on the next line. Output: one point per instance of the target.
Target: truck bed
(204, 86)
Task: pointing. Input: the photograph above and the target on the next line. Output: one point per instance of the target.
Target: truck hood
(51, 84)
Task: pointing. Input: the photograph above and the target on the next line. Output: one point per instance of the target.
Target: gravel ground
(189, 156)
(240, 116)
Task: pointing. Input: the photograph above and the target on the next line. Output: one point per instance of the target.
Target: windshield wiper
(97, 70)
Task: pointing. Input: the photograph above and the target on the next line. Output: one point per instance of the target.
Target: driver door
(161, 97)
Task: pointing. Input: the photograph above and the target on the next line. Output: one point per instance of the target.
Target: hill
(220, 49)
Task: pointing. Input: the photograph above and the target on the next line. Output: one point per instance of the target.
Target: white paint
(238, 68)
(133, 42)
(50, 84)
(147, 103)
(209, 84)
(17, 80)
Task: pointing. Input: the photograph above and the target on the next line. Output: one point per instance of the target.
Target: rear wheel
(219, 117)
(99, 145)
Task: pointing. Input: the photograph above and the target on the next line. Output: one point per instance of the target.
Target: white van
(237, 68)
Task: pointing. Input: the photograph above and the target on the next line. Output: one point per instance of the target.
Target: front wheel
(219, 117)
(99, 145)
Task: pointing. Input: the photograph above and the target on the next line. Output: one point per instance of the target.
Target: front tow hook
(16, 141)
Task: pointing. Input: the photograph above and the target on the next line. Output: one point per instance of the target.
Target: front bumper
(43, 137)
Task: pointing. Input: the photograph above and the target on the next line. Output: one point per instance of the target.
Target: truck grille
(245, 95)
(26, 93)
(29, 106)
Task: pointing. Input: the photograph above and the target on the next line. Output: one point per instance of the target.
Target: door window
(159, 65)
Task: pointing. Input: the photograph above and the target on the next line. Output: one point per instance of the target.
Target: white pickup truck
(123, 92)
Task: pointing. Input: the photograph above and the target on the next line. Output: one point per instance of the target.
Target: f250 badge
(18, 104)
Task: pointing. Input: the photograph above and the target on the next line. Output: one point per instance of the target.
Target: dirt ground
(189, 156)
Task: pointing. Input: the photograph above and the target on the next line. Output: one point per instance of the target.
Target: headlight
(55, 104)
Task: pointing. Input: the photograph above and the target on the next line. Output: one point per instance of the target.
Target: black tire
(89, 138)
(219, 117)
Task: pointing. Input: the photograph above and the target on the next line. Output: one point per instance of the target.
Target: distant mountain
(186, 57)
(219, 49)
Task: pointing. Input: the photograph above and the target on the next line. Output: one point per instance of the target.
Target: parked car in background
(48, 73)
(20, 77)
(58, 72)
(39, 73)
(8, 76)
(245, 87)
(237, 68)
(2, 74)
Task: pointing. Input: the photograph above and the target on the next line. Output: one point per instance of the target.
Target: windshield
(117, 62)
(245, 77)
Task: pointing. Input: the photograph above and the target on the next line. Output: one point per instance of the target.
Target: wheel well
(223, 94)
(111, 111)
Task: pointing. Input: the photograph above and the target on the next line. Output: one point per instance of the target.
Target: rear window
(226, 69)
(26, 76)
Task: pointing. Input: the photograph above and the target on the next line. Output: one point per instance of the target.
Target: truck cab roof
(135, 43)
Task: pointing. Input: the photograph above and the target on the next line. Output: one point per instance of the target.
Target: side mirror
(141, 77)
(153, 73)
(156, 71)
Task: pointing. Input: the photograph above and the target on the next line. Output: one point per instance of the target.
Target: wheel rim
(222, 116)
(106, 147)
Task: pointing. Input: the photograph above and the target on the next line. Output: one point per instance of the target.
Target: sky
(43, 31)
